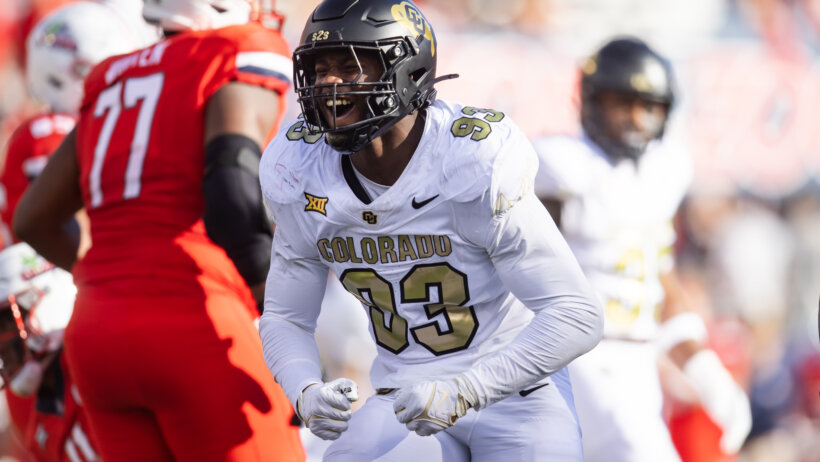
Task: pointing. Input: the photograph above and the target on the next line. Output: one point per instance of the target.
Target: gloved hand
(429, 407)
(325, 407)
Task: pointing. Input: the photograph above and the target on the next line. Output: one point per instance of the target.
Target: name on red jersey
(150, 56)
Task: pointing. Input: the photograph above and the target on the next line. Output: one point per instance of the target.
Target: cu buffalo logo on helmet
(410, 17)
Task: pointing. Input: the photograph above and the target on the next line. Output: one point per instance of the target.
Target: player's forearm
(57, 244)
(290, 353)
(45, 214)
(554, 338)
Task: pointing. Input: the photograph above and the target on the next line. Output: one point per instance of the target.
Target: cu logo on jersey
(369, 217)
(411, 18)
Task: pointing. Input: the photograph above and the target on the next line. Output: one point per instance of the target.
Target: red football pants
(179, 379)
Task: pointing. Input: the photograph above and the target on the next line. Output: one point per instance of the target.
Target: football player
(36, 303)
(425, 211)
(614, 193)
(164, 159)
(61, 49)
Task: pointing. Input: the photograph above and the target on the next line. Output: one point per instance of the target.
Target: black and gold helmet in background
(629, 66)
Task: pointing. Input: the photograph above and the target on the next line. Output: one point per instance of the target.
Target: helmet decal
(34, 265)
(411, 18)
(652, 79)
(64, 46)
(590, 65)
(58, 35)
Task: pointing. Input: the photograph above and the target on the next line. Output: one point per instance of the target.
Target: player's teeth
(339, 102)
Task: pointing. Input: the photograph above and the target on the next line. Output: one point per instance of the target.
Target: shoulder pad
(285, 163)
(513, 176)
(248, 38)
(472, 138)
(488, 156)
(669, 166)
(565, 166)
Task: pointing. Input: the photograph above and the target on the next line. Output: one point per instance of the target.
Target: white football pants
(619, 401)
(541, 426)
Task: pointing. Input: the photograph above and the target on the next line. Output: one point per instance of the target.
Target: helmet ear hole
(418, 74)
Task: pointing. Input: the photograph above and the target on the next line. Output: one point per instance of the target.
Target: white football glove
(325, 407)
(722, 398)
(430, 407)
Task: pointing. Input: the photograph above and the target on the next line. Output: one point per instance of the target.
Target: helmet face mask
(36, 301)
(627, 91)
(625, 123)
(18, 342)
(375, 31)
(371, 93)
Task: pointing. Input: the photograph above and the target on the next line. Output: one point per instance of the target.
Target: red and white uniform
(161, 343)
(48, 436)
(59, 434)
(29, 148)
(140, 148)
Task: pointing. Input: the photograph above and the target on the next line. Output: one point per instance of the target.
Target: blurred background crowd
(748, 111)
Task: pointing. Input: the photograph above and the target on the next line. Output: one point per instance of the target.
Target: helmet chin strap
(348, 141)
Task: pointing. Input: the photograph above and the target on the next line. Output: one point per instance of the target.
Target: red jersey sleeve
(252, 54)
(28, 151)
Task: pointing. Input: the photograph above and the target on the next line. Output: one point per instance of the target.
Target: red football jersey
(141, 156)
(28, 151)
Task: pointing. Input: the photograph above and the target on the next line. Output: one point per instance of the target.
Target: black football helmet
(399, 36)
(624, 65)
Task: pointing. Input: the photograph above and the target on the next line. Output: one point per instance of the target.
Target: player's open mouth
(342, 108)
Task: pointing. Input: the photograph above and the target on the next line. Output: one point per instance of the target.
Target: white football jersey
(435, 257)
(618, 220)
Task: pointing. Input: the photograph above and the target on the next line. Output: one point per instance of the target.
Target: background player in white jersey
(614, 193)
(425, 210)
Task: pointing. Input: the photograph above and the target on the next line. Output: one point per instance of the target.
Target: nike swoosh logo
(418, 205)
(524, 393)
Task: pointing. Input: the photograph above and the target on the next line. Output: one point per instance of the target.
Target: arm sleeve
(293, 298)
(234, 214)
(535, 263)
